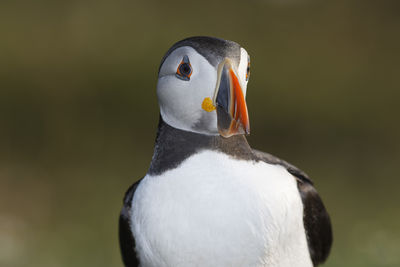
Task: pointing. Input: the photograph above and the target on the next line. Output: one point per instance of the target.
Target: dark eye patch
(184, 70)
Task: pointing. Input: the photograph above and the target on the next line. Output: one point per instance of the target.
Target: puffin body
(208, 198)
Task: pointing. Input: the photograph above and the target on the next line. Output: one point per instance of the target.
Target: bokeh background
(78, 114)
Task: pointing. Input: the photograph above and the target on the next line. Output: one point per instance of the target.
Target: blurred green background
(78, 114)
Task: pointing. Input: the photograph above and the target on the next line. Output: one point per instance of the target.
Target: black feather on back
(126, 238)
(316, 222)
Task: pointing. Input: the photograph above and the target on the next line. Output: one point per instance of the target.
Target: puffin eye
(184, 70)
(248, 69)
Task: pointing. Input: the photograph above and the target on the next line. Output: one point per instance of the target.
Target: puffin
(208, 199)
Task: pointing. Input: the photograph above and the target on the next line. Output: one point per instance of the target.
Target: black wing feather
(316, 222)
(126, 238)
(316, 219)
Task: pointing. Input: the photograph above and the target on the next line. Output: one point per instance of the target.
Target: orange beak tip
(232, 112)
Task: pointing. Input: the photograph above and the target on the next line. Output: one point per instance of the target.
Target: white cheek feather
(180, 101)
(218, 211)
(242, 69)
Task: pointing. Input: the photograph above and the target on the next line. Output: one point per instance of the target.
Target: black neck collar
(174, 146)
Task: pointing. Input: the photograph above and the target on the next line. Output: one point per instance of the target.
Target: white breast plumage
(214, 210)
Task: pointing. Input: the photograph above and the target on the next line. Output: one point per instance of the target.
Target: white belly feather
(214, 210)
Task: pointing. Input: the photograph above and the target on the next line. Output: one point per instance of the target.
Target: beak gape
(231, 106)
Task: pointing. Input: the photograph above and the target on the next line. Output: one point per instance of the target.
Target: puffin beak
(229, 100)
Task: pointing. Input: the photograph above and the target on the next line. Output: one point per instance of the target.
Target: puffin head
(202, 85)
